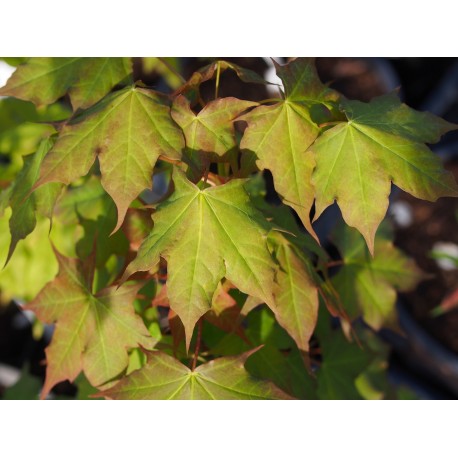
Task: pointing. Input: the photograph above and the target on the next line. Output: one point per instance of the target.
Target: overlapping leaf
(93, 331)
(191, 87)
(278, 135)
(295, 292)
(127, 131)
(24, 207)
(210, 133)
(164, 377)
(43, 80)
(205, 236)
(367, 285)
(342, 362)
(381, 143)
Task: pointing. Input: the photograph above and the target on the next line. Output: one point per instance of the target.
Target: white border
(233, 28)
(228, 429)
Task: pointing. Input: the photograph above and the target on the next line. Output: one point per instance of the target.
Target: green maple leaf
(24, 206)
(93, 331)
(278, 136)
(342, 362)
(127, 131)
(210, 133)
(164, 377)
(368, 284)
(206, 235)
(43, 80)
(295, 292)
(381, 143)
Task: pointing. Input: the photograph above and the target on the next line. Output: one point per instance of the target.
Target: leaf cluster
(177, 278)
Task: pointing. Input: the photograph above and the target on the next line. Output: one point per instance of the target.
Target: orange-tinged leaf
(278, 136)
(127, 131)
(225, 313)
(210, 133)
(93, 331)
(209, 71)
(206, 235)
(296, 294)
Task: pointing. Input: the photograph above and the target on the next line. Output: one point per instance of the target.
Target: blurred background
(425, 358)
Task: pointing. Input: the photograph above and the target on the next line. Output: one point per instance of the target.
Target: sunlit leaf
(127, 131)
(278, 136)
(43, 80)
(381, 143)
(206, 235)
(93, 331)
(164, 377)
(210, 133)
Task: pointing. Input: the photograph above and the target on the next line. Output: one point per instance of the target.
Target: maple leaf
(278, 136)
(128, 130)
(381, 143)
(342, 362)
(210, 133)
(93, 331)
(191, 87)
(24, 206)
(43, 80)
(295, 292)
(368, 284)
(164, 377)
(206, 235)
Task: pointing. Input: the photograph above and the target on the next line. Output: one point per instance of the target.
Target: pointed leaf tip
(205, 236)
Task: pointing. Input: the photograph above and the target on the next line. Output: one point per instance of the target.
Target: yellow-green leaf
(367, 285)
(278, 136)
(43, 80)
(93, 331)
(206, 235)
(164, 377)
(381, 143)
(295, 292)
(127, 131)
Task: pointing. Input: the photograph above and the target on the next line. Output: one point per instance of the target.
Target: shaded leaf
(127, 131)
(205, 236)
(43, 80)
(24, 206)
(210, 133)
(287, 371)
(381, 143)
(224, 312)
(342, 362)
(164, 377)
(278, 136)
(368, 284)
(209, 71)
(137, 225)
(93, 331)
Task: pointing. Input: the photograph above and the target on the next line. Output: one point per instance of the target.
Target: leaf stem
(218, 72)
(197, 347)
